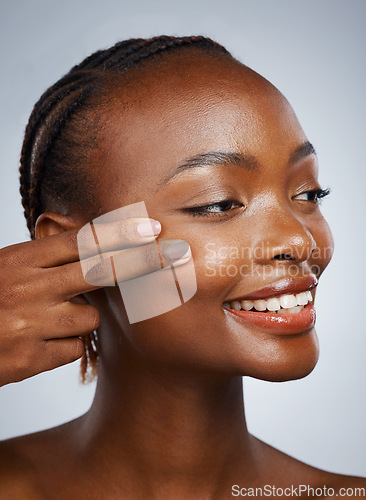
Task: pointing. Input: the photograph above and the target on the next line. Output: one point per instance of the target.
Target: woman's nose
(283, 239)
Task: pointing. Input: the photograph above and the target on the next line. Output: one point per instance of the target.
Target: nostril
(283, 256)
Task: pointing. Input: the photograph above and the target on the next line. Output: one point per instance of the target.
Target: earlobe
(50, 223)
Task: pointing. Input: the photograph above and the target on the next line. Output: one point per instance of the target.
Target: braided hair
(62, 131)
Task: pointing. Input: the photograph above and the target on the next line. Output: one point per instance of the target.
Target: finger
(59, 352)
(70, 319)
(40, 357)
(65, 247)
(113, 267)
(94, 239)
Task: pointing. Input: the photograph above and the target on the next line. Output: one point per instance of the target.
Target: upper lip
(282, 286)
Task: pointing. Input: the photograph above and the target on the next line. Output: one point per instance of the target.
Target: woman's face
(198, 104)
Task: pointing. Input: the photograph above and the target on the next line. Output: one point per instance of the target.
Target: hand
(40, 326)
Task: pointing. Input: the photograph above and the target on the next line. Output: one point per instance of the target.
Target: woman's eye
(314, 196)
(220, 209)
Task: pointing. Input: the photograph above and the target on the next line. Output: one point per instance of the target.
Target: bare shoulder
(287, 471)
(27, 462)
(18, 473)
(349, 486)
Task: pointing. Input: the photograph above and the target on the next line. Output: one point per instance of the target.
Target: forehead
(189, 103)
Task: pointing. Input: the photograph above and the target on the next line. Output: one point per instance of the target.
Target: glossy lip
(280, 324)
(280, 287)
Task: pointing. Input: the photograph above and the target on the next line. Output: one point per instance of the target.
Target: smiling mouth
(285, 314)
(282, 304)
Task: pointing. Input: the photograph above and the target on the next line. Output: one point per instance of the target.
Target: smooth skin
(168, 420)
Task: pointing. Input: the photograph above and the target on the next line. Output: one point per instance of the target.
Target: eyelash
(317, 194)
(202, 211)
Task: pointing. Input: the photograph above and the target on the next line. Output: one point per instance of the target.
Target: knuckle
(100, 273)
(63, 277)
(151, 256)
(72, 238)
(65, 320)
(104, 271)
(127, 229)
(19, 328)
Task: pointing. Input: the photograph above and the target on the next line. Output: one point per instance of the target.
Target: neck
(171, 426)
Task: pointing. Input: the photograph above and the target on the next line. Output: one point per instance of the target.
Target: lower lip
(280, 324)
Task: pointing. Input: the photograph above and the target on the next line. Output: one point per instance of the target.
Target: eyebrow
(306, 149)
(222, 158)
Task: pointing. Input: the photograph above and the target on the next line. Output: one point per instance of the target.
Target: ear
(50, 223)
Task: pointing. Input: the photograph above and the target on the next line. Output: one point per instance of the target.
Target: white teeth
(273, 304)
(288, 301)
(247, 305)
(235, 305)
(260, 305)
(284, 304)
(302, 298)
(291, 310)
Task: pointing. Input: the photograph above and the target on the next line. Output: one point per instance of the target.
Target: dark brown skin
(167, 421)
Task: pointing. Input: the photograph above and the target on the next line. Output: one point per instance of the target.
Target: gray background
(314, 52)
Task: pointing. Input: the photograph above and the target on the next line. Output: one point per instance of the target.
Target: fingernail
(149, 228)
(177, 249)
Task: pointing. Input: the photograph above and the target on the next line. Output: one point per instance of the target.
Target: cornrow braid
(34, 152)
(59, 135)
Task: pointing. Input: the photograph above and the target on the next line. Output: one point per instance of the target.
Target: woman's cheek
(217, 264)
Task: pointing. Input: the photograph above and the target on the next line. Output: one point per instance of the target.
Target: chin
(287, 374)
(285, 359)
